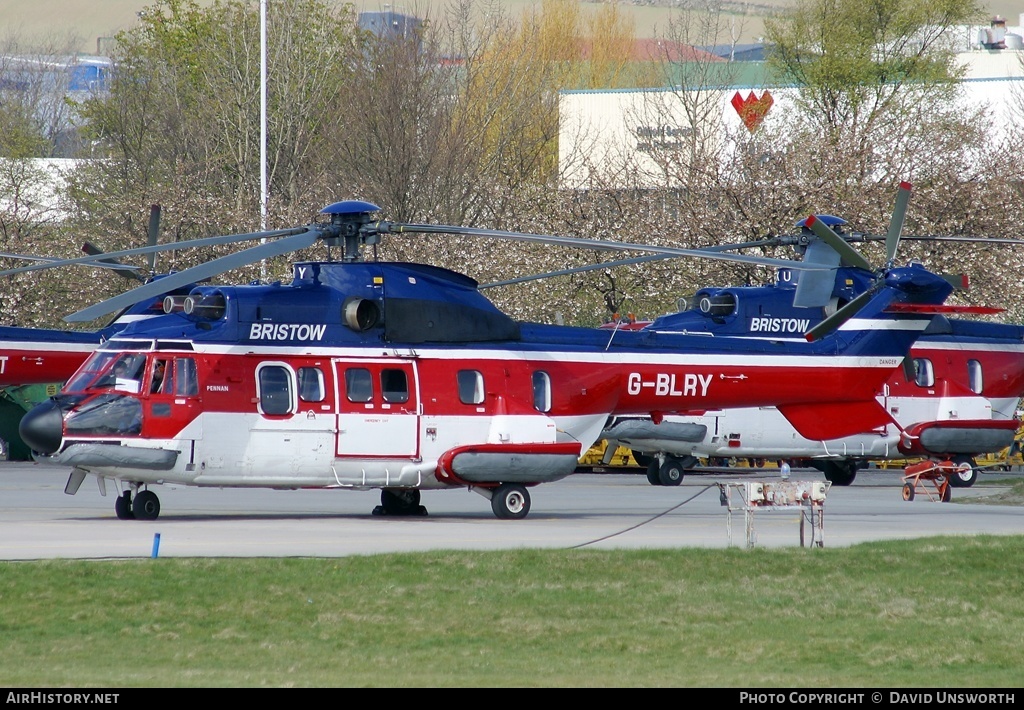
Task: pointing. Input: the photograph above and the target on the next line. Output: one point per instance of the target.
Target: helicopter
(954, 398)
(403, 377)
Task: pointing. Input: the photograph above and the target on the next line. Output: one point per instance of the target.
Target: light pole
(263, 129)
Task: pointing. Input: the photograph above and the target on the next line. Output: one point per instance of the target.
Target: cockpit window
(119, 371)
(97, 363)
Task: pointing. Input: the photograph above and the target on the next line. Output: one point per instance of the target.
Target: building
(609, 137)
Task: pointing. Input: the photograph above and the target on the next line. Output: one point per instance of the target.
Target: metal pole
(263, 129)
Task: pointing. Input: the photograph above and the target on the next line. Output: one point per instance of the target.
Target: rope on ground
(645, 522)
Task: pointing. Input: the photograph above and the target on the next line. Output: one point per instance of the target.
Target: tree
(181, 124)
(858, 61)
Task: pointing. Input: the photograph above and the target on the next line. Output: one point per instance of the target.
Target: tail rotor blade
(814, 288)
(899, 214)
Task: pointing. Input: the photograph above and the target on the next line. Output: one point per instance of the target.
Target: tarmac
(585, 511)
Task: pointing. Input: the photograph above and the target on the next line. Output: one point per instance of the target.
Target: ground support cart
(930, 478)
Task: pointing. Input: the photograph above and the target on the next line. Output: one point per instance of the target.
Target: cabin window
(358, 384)
(541, 391)
(924, 373)
(186, 381)
(311, 384)
(974, 377)
(275, 389)
(394, 385)
(471, 386)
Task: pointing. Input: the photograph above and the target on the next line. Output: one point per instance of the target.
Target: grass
(941, 612)
(1014, 495)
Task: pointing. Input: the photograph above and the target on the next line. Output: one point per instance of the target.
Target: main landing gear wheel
(671, 473)
(399, 501)
(966, 472)
(838, 473)
(123, 506)
(146, 506)
(510, 501)
(653, 470)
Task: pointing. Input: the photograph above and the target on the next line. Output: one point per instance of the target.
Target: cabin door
(378, 408)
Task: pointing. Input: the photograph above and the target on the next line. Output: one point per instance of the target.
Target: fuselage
(403, 375)
(957, 393)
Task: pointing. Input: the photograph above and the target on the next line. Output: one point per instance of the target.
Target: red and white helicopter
(955, 397)
(403, 377)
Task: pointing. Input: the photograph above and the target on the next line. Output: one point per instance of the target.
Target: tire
(946, 494)
(908, 491)
(653, 468)
(146, 506)
(123, 506)
(839, 473)
(966, 474)
(671, 472)
(400, 501)
(510, 501)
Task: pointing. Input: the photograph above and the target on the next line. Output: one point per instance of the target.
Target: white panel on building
(622, 139)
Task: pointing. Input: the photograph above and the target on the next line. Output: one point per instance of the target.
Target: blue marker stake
(156, 545)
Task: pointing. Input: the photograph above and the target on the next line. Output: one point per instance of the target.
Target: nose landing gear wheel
(510, 501)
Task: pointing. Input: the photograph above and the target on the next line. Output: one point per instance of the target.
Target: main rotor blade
(306, 238)
(848, 254)
(153, 234)
(899, 215)
(972, 240)
(206, 242)
(123, 270)
(576, 270)
(835, 320)
(622, 262)
(46, 262)
(580, 242)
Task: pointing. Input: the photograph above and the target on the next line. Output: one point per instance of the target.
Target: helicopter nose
(43, 427)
